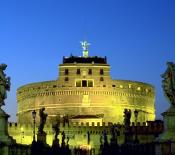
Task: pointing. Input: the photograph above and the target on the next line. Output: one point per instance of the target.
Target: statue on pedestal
(168, 83)
(56, 130)
(127, 117)
(127, 122)
(63, 139)
(41, 136)
(43, 117)
(114, 134)
(4, 84)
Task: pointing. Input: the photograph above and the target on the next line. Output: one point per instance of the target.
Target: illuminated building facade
(86, 94)
(84, 99)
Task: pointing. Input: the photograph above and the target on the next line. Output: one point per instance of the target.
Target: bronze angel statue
(168, 82)
(4, 84)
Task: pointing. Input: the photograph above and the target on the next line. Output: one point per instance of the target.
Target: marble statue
(4, 84)
(168, 85)
(63, 138)
(168, 82)
(105, 138)
(127, 117)
(56, 130)
(67, 143)
(4, 87)
(43, 117)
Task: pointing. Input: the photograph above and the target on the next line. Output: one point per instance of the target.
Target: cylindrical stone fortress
(85, 88)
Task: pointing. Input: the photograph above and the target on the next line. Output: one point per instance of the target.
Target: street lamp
(136, 116)
(34, 116)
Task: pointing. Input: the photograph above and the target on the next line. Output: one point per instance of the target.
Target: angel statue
(168, 82)
(43, 117)
(85, 45)
(127, 117)
(4, 84)
(56, 130)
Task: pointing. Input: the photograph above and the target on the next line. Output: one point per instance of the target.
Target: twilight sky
(137, 36)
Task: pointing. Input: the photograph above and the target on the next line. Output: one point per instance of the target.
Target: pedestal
(55, 143)
(41, 137)
(169, 126)
(4, 137)
(166, 140)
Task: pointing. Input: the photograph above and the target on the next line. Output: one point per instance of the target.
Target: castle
(85, 97)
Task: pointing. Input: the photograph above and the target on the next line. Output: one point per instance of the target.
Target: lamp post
(34, 122)
(136, 116)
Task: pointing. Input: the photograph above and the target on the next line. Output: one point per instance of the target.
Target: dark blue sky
(137, 36)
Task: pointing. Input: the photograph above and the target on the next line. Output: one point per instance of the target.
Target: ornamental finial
(85, 45)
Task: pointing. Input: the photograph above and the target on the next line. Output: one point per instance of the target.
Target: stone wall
(78, 133)
(109, 101)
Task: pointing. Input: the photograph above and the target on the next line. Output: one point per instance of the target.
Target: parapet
(149, 127)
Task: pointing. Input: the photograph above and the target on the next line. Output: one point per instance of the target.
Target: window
(101, 79)
(101, 72)
(78, 71)
(121, 86)
(90, 72)
(66, 72)
(66, 79)
(90, 83)
(84, 83)
(138, 88)
(78, 83)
